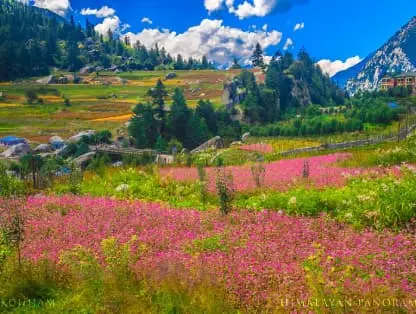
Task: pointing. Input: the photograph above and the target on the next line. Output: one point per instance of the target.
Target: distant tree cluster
(32, 41)
(290, 85)
(156, 125)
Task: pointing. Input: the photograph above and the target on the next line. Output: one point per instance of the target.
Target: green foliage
(138, 184)
(98, 164)
(210, 244)
(225, 189)
(31, 96)
(258, 173)
(10, 186)
(257, 58)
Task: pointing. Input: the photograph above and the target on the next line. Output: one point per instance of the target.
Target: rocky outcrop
(43, 148)
(214, 143)
(232, 95)
(18, 150)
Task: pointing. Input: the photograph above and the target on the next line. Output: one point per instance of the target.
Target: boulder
(122, 188)
(86, 70)
(55, 138)
(83, 160)
(46, 80)
(117, 164)
(170, 76)
(214, 143)
(76, 138)
(43, 148)
(245, 137)
(18, 150)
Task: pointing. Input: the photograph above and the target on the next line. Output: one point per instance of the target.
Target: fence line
(402, 134)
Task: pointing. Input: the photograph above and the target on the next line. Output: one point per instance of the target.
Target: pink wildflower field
(261, 148)
(280, 175)
(257, 258)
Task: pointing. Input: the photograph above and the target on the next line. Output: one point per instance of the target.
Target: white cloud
(105, 11)
(147, 20)
(289, 43)
(265, 26)
(60, 7)
(250, 8)
(299, 26)
(333, 67)
(213, 5)
(113, 23)
(257, 8)
(210, 38)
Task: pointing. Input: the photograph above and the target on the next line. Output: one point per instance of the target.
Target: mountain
(397, 55)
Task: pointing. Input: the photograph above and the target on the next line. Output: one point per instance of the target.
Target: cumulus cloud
(210, 38)
(147, 20)
(104, 11)
(289, 43)
(299, 26)
(333, 67)
(213, 5)
(249, 8)
(60, 7)
(109, 23)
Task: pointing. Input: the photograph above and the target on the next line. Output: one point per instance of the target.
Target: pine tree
(179, 116)
(235, 64)
(158, 94)
(257, 57)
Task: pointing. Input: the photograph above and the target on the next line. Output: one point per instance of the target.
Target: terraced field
(104, 103)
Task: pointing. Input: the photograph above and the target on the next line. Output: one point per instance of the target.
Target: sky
(336, 33)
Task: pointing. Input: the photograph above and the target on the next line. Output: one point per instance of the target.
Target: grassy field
(104, 103)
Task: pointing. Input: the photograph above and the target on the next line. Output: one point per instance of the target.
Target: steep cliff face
(397, 55)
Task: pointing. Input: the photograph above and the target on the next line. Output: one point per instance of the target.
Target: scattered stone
(170, 76)
(117, 164)
(122, 188)
(245, 137)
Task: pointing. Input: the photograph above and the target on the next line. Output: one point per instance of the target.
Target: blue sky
(343, 30)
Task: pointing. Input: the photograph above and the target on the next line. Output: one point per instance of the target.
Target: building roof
(412, 74)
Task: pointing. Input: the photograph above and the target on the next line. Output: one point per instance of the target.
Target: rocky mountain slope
(397, 55)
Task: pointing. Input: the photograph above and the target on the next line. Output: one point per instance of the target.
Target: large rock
(55, 139)
(46, 80)
(232, 94)
(76, 138)
(215, 143)
(170, 76)
(245, 137)
(86, 70)
(18, 150)
(43, 148)
(83, 160)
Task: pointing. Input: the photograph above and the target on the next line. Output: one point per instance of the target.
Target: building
(401, 80)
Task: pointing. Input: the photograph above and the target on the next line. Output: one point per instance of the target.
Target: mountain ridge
(397, 55)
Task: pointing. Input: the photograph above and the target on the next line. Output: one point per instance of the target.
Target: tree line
(157, 125)
(33, 40)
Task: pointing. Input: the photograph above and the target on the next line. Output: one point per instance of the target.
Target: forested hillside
(32, 41)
